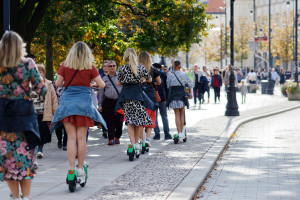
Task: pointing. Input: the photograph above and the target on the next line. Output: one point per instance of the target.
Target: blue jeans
(164, 116)
(195, 89)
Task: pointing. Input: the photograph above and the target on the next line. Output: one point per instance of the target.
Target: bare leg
(177, 119)
(138, 133)
(181, 110)
(71, 145)
(131, 133)
(25, 187)
(148, 131)
(81, 144)
(14, 188)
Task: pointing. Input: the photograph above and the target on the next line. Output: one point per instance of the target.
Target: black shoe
(156, 137)
(104, 134)
(168, 137)
(65, 147)
(59, 145)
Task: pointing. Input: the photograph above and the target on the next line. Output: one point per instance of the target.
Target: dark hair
(157, 65)
(251, 70)
(177, 63)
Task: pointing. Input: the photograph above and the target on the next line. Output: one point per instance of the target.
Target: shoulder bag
(113, 84)
(186, 97)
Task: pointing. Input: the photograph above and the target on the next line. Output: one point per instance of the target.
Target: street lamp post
(296, 43)
(232, 106)
(6, 15)
(270, 84)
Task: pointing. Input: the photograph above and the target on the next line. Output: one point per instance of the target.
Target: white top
(252, 76)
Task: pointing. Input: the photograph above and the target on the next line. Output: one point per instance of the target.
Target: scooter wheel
(131, 157)
(184, 140)
(72, 186)
(147, 149)
(143, 150)
(82, 184)
(137, 156)
(176, 140)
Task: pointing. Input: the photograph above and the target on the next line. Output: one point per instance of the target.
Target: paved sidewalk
(262, 162)
(153, 176)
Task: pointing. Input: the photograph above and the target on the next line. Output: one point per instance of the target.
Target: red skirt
(152, 115)
(78, 120)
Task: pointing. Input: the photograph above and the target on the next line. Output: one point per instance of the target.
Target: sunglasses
(112, 65)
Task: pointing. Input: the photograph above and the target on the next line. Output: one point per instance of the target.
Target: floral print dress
(16, 162)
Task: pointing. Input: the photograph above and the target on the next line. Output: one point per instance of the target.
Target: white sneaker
(148, 142)
(181, 135)
(137, 146)
(39, 155)
(81, 175)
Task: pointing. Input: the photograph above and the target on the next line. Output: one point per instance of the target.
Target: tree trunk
(49, 58)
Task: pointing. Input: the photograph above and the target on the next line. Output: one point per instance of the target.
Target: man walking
(107, 102)
(162, 105)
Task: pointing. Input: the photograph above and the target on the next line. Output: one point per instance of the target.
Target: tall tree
(26, 15)
(242, 37)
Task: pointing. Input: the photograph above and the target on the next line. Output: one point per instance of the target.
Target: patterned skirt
(16, 162)
(135, 113)
(176, 104)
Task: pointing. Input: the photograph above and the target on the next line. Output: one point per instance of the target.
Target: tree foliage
(243, 35)
(109, 26)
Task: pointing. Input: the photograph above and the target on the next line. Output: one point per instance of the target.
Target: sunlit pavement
(154, 175)
(262, 162)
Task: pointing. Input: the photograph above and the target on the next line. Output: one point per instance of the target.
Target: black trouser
(217, 93)
(59, 133)
(113, 120)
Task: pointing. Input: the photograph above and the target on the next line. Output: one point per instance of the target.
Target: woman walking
(282, 76)
(176, 82)
(149, 88)
(133, 100)
(45, 107)
(76, 109)
(216, 83)
(18, 76)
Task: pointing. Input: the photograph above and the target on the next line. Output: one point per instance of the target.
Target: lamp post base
(232, 108)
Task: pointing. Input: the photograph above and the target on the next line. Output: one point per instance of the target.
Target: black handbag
(19, 115)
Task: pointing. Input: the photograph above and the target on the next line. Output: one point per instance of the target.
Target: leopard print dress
(134, 111)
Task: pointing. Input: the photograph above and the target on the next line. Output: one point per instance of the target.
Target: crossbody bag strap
(178, 79)
(20, 84)
(113, 84)
(71, 80)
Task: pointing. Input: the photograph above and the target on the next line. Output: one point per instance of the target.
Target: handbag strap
(113, 84)
(178, 79)
(18, 81)
(71, 80)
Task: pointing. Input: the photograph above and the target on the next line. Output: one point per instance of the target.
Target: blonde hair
(130, 58)
(145, 60)
(41, 67)
(80, 57)
(12, 49)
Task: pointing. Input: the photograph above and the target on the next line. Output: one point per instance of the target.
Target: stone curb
(190, 185)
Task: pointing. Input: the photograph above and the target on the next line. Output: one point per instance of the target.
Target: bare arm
(100, 83)
(158, 81)
(59, 82)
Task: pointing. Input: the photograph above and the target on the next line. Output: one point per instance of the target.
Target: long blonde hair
(130, 58)
(145, 60)
(12, 49)
(80, 57)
